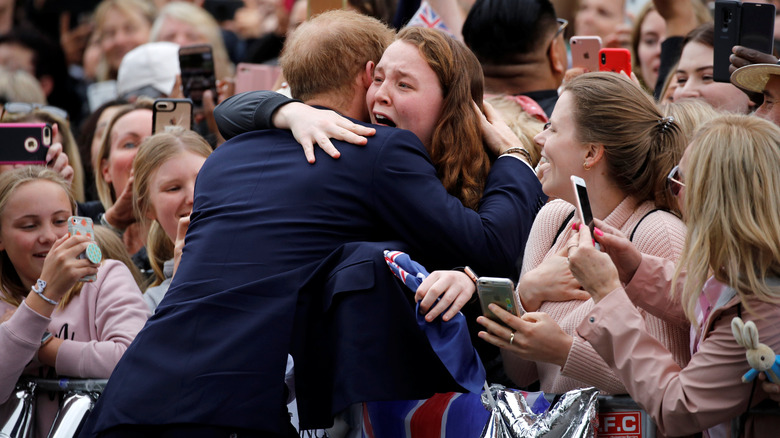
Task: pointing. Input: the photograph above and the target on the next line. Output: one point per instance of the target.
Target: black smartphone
(171, 112)
(750, 25)
(24, 143)
(197, 72)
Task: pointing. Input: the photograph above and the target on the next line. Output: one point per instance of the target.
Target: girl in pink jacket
(52, 324)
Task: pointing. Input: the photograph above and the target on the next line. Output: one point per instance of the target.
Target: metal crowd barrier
(18, 413)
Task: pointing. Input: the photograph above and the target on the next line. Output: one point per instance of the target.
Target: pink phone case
(251, 77)
(585, 52)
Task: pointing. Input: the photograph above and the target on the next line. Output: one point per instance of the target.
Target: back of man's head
(325, 55)
(506, 31)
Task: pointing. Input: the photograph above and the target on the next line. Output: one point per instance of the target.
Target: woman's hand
(495, 132)
(454, 289)
(623, 253)
(56, 159)
(120, 215)
(311, 125)
(773, 389)
(536, 336)
(591, 267)
(62, 268)
(178, 247)
(552, 280)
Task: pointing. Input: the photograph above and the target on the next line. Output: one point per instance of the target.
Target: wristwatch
(46, 338)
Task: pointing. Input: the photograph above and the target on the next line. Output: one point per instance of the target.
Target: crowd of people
(243, 255)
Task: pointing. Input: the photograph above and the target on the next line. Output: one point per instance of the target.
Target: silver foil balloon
(17, 413)
(73, 412)
(573, 416)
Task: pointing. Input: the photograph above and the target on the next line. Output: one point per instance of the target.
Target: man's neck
(354, 107)
(518, 79)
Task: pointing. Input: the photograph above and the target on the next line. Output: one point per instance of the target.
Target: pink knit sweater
(660, 234)
(97, 326)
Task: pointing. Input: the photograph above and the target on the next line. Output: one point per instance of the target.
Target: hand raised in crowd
(623, 253)
(552, 280)
(679, 15)
(533, 336)
(56, 159)
(62, 267)
(311, 125)
(742, 56)
(453, 289)
(120, 215)
(592, 268)
(497, 135)
(74, 41)
(178, 246)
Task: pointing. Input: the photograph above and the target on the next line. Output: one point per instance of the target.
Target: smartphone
(583, 203)
(171, 112)
(82, 226)
(251, 77)
(615, 60)
(197, 72)
(25, 143)
(496, 290)
(745, 24)
(585, 52)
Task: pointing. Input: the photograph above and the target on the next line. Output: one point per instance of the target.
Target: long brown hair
(641, 145)
(457, 150)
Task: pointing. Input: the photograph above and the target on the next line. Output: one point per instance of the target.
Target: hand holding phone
(25, 143)
(585, 52)
(500, 291)
(82, 226)
(615, 60)
(171, 112)
(746, 24)
(583, 204)
(197, 72)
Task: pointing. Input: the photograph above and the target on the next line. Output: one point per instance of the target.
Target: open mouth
(384, 120)
(41, 255)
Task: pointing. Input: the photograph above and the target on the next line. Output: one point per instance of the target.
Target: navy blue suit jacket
(264, 225)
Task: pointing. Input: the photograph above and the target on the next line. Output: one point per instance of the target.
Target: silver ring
(511, 338)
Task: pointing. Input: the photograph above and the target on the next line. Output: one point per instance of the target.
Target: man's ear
(368, 75)
(557, 55)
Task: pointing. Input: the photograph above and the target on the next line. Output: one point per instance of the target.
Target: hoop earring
(585, 165)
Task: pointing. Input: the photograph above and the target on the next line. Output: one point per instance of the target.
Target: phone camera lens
(603, 58)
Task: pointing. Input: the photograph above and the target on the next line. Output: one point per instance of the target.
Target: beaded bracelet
(520, 151)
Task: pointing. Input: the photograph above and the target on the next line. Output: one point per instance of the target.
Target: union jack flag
(427, 17)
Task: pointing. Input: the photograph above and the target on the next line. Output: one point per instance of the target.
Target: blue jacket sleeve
(248, 111)
(409, 195)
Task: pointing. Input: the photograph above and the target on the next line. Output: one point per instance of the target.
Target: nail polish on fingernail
(598, 232)
(574, 226)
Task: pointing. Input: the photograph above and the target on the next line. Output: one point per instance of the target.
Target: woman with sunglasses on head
(727, 183)
(608, 132)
